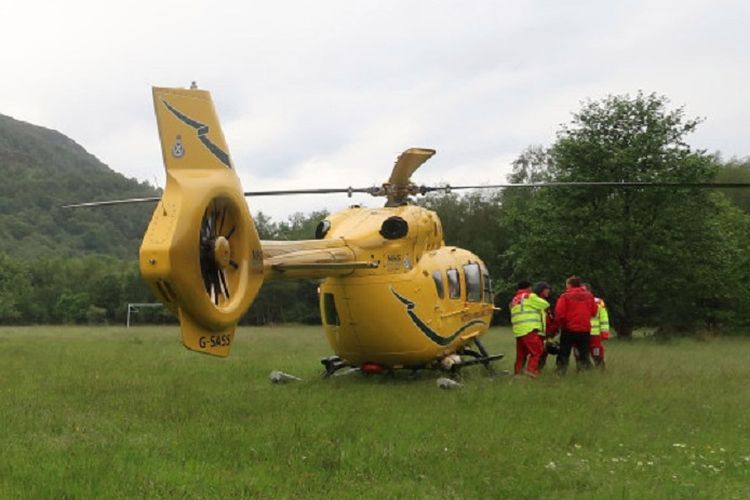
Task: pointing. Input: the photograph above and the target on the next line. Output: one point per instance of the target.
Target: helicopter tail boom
(310, 259)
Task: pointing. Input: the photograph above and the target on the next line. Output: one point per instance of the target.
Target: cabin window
(454, 285)
(487, 288)
(473, 283)
(329, 310)
(437, 277)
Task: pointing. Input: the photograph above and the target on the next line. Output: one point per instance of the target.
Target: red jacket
(552, 325)
(574, 310)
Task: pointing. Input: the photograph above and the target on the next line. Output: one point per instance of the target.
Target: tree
(283, 301)
(648, 251)
(736, 170)
(15, 290)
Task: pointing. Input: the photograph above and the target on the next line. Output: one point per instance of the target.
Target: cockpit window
(454, 285)
(437, 277)
(473, 283)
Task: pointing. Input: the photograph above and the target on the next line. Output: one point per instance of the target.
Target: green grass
(113, 413)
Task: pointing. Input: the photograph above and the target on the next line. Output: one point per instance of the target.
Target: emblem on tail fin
(202, 130)
(178, 149)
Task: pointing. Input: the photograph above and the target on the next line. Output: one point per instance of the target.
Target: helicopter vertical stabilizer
(201, 254)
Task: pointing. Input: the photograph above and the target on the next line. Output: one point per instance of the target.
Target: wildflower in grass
(578, 446)
(551, 466)
(679, 445)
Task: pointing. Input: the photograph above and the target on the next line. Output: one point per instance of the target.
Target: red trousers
(529, 346)
(596, 348)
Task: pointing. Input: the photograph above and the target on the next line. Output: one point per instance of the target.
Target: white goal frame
(134, 306)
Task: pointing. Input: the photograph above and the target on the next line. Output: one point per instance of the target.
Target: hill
(43, 169)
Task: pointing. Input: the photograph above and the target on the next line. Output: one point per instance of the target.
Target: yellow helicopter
(392, 296)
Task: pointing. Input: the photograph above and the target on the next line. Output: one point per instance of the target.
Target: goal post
(136, 306)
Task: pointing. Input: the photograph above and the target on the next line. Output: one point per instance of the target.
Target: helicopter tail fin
(201, 254)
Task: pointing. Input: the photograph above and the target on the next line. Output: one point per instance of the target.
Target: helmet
(540, 287)
(552, 348)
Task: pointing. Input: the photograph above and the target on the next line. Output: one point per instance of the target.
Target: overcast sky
(327, 93)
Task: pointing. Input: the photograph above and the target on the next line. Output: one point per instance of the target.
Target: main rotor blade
(113, 202)
(407, 163)
(625, 184)
(349, 190)
(430, 189)
(368, 190)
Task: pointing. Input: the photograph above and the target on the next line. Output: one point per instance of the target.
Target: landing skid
(333, 364)
(480, 356)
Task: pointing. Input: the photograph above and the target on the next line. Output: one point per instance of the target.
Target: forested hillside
(41, 170)
(80, 265)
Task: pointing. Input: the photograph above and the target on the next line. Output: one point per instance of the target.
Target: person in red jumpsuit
(527, 316)
(573, 311)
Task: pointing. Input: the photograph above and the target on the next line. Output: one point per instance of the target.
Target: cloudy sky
(327, 93)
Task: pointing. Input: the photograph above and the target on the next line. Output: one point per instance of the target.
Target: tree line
(96, 289)
(673, 258)
(676, 259)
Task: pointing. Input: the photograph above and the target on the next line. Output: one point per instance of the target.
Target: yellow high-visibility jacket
(600, 322)
(528, 312)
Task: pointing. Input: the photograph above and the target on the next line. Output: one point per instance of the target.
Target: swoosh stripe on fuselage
(429, 332)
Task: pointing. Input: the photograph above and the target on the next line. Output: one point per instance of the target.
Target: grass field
(113, 413)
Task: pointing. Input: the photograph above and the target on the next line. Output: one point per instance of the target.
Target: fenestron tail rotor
(201, 253)
(218, 266)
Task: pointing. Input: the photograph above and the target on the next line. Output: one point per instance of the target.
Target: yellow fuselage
(396, 301)
(392, 293)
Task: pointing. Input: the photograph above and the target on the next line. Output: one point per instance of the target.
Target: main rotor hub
(222, 252)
